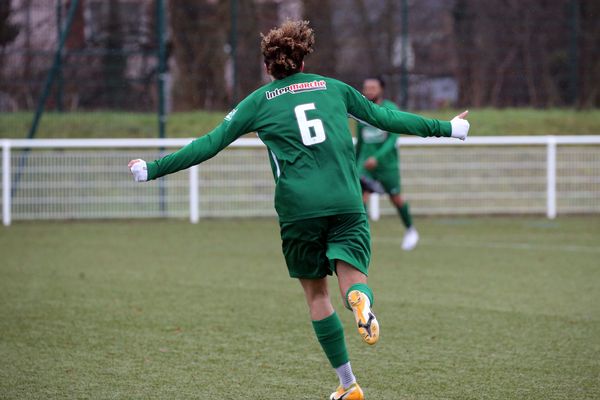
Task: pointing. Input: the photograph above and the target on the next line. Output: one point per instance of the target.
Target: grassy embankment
(485, 122)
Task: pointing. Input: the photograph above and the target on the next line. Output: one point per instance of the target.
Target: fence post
(194, 198)
(162, 75)
(6, 190)
(162, 66)
(374, 211)
(551, 178)
(404, 52)
(59, 74)
(574, 51)
(233, 39)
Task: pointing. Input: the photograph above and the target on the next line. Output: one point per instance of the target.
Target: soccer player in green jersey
(302, 119)
(377, 160)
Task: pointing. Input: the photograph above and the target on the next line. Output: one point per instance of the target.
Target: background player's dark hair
(378, 78)
(284, 47)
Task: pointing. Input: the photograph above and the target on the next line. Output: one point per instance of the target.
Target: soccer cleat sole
(368, 327)
(354, 392)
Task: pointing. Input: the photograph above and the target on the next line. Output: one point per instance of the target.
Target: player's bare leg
(358, 296)
(330, 334)
(317, 298)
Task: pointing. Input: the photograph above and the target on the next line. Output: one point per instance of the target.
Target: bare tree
(8, 31)
(515, 53)
(248, 49)
(320, 15)
(199, 36)
(114, 61)
(589, 85)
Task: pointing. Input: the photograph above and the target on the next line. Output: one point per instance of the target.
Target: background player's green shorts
(389, 179)
(311, 246)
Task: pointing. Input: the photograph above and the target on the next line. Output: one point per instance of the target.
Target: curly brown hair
(284, 47)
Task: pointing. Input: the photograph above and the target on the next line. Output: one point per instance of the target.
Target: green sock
(361, 287)
(404, 212)
(330, 334)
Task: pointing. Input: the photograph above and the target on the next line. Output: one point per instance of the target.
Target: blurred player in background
(377, 162)
(302, 119)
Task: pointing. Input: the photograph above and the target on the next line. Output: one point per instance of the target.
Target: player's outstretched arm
(199, 150)
(236, 123)
(402, 122)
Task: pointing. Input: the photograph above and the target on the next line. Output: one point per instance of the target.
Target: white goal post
(88, 178)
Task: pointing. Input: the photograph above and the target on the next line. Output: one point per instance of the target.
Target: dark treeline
(498, 53)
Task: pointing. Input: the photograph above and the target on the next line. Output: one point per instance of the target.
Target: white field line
(495, 245)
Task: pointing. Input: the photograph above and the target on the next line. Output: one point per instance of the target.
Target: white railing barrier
(373, 207)
(551, 177)
(60, 181)
(550, 142)
(194, 195)
(6, 184)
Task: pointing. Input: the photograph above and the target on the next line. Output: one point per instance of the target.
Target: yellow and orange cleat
(353, 392)
(368, 327)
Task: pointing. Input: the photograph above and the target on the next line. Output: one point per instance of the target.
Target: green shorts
(389, 179)
(311, 246)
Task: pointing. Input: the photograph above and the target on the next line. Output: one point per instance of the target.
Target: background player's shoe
(368, 327)
(353, 392)
(411, 238)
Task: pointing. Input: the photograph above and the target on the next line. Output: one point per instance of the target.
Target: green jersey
(374, 142)
(302, 119)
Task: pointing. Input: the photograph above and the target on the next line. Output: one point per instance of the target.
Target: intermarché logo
(297, 88)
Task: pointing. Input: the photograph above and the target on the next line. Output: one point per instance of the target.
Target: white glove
(139, 170)
(460, 126)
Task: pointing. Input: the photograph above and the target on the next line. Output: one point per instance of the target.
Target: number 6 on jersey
(305, 124)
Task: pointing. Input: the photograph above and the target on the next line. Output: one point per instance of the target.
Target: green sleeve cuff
(446, 128)
(152, 170)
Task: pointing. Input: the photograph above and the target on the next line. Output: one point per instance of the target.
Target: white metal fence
(88, 178)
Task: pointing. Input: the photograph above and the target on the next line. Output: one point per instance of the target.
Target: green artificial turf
(484, 308)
